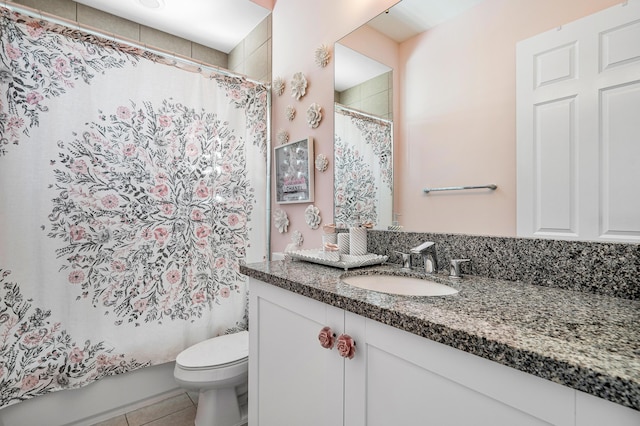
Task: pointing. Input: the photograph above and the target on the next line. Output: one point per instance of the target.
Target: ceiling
(222, 24)
(406, 19)
(219, 24)
(409, 18)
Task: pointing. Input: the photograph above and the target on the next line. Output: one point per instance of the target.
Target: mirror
(363, 137)
(363, 169)
(366, 72)
(456, 124)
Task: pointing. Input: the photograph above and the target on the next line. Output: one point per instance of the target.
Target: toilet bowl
(218, 369)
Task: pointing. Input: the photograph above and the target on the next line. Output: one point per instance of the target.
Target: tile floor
(175, 411)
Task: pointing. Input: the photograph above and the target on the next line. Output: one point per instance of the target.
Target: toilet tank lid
(219, 350)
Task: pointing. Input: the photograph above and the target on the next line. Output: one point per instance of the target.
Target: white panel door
(578, 129)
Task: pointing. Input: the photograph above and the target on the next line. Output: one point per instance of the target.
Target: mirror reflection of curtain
(130, 192)
(363, 168)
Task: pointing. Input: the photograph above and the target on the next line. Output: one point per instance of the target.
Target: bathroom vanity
(497, 352)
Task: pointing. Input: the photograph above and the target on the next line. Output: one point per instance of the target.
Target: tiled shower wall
(374, 96)
(611, 269)
(252, 56)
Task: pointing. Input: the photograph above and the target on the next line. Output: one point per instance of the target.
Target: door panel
(555, 167)
(620, 161)
(292, 379)
(399, 390)
(409, 377)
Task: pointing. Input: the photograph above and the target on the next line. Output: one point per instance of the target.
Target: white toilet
(218, 369)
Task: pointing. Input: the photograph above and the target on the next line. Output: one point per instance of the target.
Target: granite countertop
(587, 342)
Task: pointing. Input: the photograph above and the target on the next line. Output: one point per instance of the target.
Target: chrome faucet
(406, 259)
(429, 256)
(454, 270)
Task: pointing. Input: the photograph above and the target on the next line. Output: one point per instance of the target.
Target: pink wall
(299, 27)
(457, 102)
(267, 4)
(458, 105)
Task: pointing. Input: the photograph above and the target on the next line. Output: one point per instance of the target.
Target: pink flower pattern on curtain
(136, 207)
(126, 207)
(39, 355)
(37, 66)
(363, 169)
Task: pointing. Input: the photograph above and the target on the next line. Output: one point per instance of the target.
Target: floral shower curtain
(130, 191)
(363, 168)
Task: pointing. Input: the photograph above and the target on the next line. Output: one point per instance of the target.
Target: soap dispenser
(357, 239)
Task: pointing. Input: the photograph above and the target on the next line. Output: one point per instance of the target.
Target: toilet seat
(217, 352)
(213, 367)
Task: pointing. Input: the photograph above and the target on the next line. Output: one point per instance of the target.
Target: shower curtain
(131, 188)
(363, 168)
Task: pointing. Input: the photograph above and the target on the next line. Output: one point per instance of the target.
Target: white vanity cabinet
(395, 377)
(292, 379)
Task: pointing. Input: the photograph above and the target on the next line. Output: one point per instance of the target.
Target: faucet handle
(454, 272)
(422, 247)
(406, 259)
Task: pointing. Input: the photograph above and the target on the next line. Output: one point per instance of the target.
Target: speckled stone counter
(585, 341)
(609, 269)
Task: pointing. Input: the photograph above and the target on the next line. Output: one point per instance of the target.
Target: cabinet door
(355, 375)
(412, 380)
(292, 379)
(594, 411)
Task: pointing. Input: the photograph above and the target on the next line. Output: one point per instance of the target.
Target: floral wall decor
(322, 56)
(297, 238)
(296, 242)
(290, 112)
(322, 163)
(278, 86)
(282, 137)
(298, 86)
(314, 115)
(281, 220)
(312, 216)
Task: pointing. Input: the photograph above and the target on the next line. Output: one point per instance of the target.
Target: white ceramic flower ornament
(278, 86)
(322, 163)
(323, 55)
(312, 216)
(282, 137)
(297, 238)
(281, 220)
(314, 115)
(290, 112)
(298, 86)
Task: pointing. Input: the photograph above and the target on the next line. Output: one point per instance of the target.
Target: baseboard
(127, 408)
(96, 402)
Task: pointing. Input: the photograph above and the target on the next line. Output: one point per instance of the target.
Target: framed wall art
(294, 172)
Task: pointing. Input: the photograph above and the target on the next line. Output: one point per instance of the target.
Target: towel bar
(457, 188)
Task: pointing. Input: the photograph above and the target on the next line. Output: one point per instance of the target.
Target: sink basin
(395, 284)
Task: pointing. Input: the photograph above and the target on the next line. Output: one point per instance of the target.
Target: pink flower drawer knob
(326, 338)
(346, 346)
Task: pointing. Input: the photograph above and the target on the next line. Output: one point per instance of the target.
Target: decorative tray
(346, 261)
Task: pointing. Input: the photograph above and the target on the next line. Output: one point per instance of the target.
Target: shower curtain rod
(201, 66)
(367, 115)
